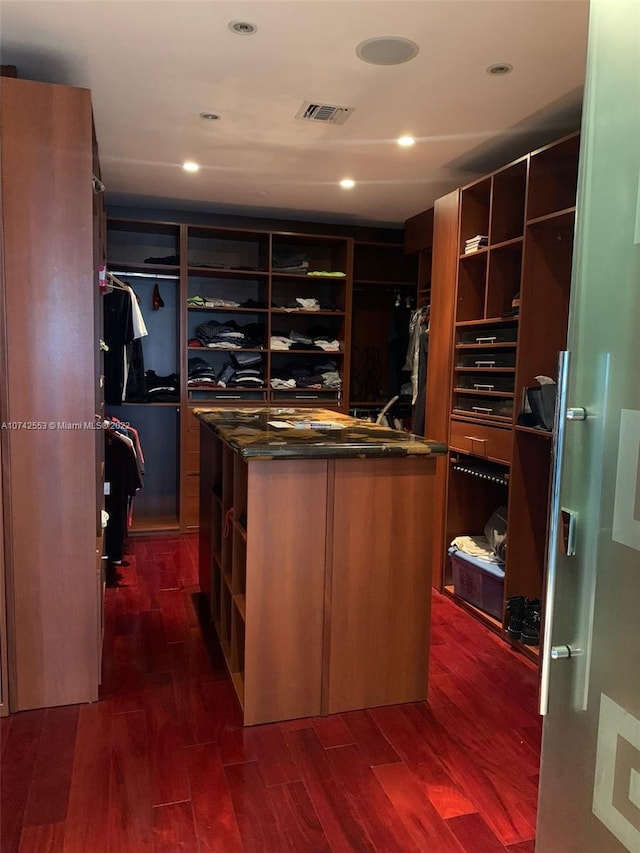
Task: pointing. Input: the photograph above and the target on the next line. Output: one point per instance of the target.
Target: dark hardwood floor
(162, 763)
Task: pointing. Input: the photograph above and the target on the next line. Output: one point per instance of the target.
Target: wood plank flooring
(162, 762)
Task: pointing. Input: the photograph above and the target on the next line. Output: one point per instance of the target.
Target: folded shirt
(476, 546)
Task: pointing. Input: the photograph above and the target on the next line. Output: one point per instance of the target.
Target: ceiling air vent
(326, 113)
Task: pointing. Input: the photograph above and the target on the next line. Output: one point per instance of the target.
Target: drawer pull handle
(488, 339)
(474, 438)
(306, 396)
(485, 363)
(486, 409)
(480, 387)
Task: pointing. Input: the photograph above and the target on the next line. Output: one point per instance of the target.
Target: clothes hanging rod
(151, 275)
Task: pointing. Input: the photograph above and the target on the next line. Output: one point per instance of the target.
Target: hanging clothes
(124, 468)
(398, 341)
(416, 363)
(124, 327)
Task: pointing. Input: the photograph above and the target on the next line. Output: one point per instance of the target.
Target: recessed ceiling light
(190, 166)
(242, 28)
(387, 50)
(209, 116)
(406, 141)
(499, 69)
(347, 184)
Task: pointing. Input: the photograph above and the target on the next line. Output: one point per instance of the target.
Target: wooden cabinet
(48, 395)
(316, 578)
(506, 326)
(256, 302)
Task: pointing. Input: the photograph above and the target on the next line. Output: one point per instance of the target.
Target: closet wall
(50, 468)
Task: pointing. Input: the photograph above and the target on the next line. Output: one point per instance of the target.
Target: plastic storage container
(478, 582)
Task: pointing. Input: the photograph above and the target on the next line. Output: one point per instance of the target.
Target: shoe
(531, 622)
(515, 612)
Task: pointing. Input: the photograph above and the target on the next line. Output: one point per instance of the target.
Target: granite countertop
(310, 434)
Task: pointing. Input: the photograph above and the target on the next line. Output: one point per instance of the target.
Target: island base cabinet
(317, 577)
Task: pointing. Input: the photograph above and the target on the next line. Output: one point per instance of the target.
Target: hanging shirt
(139, 327)
(118, 334)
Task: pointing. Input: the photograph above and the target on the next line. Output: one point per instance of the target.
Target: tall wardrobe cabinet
(48, 393)
(502, 261)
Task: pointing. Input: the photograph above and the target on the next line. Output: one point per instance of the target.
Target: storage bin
(478, 582)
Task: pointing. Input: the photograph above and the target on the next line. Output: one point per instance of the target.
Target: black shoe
(531, 622)
(516, 613)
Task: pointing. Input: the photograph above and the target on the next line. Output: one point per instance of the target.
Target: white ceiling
(153, 66)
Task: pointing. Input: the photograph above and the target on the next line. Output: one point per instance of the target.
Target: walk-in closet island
(315, 542)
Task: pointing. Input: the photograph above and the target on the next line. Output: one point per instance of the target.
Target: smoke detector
(326, 113)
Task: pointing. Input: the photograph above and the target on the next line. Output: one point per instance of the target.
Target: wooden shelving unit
(527, 211)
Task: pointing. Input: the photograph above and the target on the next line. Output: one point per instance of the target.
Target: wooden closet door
(50, 339)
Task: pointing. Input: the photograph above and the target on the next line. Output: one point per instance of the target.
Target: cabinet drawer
(488, 335)
(486, 358)
(484, 382)
(481, 440)
(479, 406)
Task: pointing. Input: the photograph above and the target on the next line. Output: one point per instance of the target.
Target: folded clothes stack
(316, 339)
(290, 262)
(218, 302)
(211, 302)
(215, 335)
(162, 389)
(243, 370)
(299, 303)
(304, 374)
